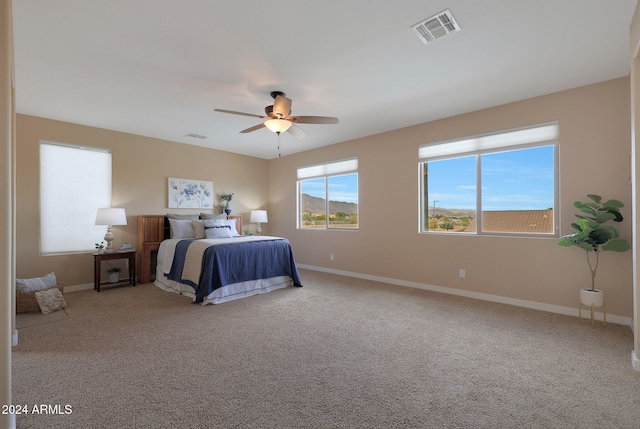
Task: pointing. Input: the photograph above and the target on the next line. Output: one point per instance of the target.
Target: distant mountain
(316, 206)
(452, 212)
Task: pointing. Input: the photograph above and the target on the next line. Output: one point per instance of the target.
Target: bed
(219, 267)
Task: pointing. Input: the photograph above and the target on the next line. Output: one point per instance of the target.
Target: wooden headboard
(152, 229)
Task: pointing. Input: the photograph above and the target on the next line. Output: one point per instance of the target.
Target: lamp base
(258, 230)
(108, 237)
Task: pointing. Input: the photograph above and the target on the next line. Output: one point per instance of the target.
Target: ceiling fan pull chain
(279, 154)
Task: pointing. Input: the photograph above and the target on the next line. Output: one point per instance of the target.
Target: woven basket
(26, 302)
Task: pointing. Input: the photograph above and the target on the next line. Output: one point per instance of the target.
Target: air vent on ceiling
(195, 136)
(436, 27)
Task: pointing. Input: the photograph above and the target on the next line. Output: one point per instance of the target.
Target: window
(502, 183)
(328, 195)
(74, 182)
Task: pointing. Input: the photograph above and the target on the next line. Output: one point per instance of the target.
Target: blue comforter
(225, 264)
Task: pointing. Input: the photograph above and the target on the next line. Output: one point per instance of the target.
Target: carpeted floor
(337, 353)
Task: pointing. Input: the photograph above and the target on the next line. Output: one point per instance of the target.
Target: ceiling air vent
(436, 27)
(195, 136)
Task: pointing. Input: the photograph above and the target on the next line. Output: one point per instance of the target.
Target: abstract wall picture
(190, 194)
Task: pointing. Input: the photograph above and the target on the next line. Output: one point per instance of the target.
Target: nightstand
(120, 254)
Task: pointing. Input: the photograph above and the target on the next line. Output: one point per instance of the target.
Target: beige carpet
(337, 353)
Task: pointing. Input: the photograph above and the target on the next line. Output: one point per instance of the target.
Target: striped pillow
(38, 283)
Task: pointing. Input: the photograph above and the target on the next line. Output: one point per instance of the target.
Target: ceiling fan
(278, 117)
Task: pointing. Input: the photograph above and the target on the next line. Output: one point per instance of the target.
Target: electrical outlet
(331, 257)
(462, 273)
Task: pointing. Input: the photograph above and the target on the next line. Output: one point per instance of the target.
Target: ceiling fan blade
(313, 119)
(254, 128)
(233, 112)
(281, 106)
(296, 131)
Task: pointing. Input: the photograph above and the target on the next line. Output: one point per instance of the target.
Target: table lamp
(258, 216)
(110, 216)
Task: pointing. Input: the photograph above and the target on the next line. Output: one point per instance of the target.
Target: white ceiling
(158, 68)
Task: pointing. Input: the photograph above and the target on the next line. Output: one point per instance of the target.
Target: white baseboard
(635, 361)
(14, 338)
(533, 305)
(76, 288)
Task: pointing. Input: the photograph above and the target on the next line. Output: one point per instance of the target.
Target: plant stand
(592, 308)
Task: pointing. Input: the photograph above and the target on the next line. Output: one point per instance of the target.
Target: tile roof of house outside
(525, 221)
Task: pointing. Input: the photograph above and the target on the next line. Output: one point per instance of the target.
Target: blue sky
(341, 188)
(515, 180)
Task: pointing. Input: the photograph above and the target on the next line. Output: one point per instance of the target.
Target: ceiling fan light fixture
(278, 125)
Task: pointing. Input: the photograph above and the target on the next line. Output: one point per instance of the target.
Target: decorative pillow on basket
(50, 300)
(38, 283)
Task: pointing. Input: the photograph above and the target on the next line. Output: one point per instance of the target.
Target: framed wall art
(189, 194)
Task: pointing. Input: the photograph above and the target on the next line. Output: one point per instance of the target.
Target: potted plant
(100, 247)
(114, 274)
(594, 236)
(226, 203)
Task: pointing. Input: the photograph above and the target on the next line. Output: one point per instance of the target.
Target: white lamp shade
(111, 216)
(259, 216)
(278, 125)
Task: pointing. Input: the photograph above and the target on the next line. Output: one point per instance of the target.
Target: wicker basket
(27, 302)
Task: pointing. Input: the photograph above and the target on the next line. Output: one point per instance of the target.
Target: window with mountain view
(502, 183)
(328, 195)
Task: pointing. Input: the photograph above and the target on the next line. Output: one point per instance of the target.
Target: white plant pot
(114, 277)
(589, 297)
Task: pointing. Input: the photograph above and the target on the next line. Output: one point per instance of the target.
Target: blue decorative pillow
(218, 231)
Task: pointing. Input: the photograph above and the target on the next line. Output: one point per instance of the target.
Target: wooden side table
(120, 254)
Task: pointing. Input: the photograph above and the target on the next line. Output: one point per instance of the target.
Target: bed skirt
(225, 293)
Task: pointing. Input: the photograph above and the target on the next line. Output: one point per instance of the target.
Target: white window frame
(326, 170)
(539, 135)
(74, 182)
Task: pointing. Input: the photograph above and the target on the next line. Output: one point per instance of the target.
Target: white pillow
(232, 224)
(218, 231)
(182, 228)
(50, 300)
(38, 283)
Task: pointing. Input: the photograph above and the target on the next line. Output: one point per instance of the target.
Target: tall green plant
(592, 234)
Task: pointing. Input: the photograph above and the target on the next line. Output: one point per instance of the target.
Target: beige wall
(141, 167)
(594, 158)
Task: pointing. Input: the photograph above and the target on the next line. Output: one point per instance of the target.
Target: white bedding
(220, 295)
